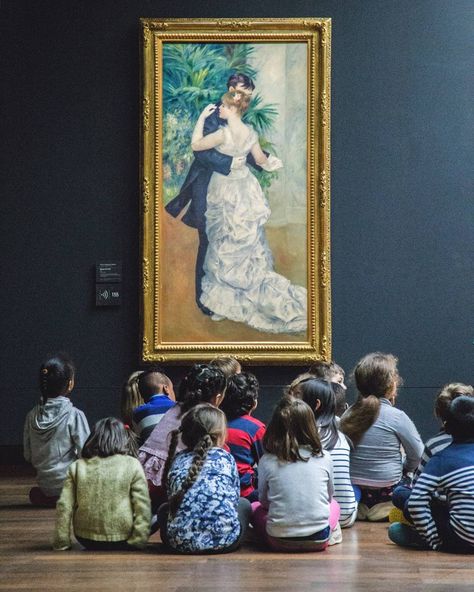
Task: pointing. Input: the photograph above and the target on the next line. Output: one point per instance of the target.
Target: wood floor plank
(365, 561)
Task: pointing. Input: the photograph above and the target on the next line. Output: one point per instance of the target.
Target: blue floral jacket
(207, 518)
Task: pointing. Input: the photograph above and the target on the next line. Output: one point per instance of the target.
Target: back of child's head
(340, 394)
(131, 397)
(292, 425)
(293, 389)
(109, 436)
(204, 424)
(447, 394)
(376, 374)
(241, 395)
(153, 382)
(460, 419)
(204, 383)
(228, 365)
(202, 427)
(329, 371)
(56, 377)
(319, 395)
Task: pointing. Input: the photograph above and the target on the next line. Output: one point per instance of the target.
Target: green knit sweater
(106, 499)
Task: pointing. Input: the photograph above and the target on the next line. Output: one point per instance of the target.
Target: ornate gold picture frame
(236, 259)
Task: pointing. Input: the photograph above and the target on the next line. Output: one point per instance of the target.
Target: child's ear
(169, 391)
(217, 400)
(70, 385)
(317, 405)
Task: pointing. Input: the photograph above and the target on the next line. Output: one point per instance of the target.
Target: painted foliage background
(195, 75)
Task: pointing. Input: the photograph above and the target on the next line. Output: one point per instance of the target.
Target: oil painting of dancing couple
(234, 250)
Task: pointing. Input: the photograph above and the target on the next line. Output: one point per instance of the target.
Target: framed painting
(235, 185)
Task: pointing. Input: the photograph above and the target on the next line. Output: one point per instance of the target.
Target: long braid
(200, 453)
(171, 454)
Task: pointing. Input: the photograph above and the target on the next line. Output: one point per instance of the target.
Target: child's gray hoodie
(53, 438)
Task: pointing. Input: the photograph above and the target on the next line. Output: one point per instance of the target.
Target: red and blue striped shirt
(244, 439)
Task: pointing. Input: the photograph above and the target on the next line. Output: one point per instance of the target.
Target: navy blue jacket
(194, 188)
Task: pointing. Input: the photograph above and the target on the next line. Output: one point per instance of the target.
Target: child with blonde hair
(228, 364)
(131, 397)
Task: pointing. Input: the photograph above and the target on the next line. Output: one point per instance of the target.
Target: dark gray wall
(401, 147)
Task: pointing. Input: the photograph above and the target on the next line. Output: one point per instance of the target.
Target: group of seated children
(200, 468)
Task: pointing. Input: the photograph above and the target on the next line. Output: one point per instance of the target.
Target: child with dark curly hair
(244, 432)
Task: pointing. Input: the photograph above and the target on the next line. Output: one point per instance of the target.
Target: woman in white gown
(239, 282)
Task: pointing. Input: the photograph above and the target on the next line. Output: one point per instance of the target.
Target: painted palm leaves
(194, 75)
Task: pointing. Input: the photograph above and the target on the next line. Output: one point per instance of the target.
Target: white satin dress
(239, 282)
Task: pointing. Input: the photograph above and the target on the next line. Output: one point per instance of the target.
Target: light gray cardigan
(377, 460)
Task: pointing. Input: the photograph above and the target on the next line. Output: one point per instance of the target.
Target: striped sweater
(432, 446)
(452, 472)
(244, 439)
(343, 490)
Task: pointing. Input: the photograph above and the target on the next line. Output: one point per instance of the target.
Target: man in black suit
(194, 188)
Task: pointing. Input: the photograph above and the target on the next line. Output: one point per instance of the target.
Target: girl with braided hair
(54, 432)
(204, 383)
(204, 513)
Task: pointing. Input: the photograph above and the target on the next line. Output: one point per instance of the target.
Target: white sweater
(297, 494)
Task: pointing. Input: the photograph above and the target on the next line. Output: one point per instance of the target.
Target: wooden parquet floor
(365, 560)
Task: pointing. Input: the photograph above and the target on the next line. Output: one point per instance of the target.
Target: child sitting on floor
(105, 495)
(158, 396)
(445, 526)
(204, 513)
(244, 432)
(130, 398)
(435, 444)
(319, 395)
(378, 430)
(296, 511)
(54, 431)
(202, 384)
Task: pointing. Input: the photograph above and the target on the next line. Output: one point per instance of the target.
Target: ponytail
(360, 417)
(55, 376)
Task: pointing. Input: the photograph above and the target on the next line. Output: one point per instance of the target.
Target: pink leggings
(259, 521)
